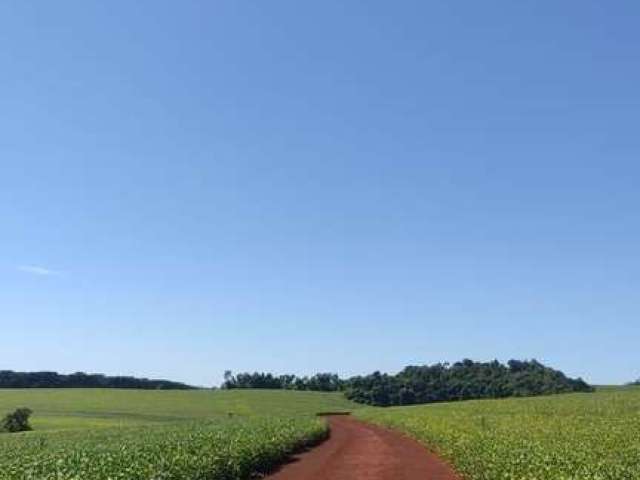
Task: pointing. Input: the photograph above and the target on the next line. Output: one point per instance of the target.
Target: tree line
(320, 382)
(463, 380)
(11, 379)
(440, 382)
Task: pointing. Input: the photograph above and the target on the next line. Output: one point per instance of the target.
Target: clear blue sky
(188, 187)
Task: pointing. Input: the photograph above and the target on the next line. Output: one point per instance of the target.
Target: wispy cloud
(37, 270)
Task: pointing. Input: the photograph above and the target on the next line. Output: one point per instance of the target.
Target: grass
(59, 409)
(563, 437)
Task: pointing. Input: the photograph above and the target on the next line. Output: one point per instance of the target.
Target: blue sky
(188, 187)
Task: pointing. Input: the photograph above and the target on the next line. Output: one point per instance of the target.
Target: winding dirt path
(359, 451)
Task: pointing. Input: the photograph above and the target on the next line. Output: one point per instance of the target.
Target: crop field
(56, 409)
(565, 437)
(215, 450)
(159, 435)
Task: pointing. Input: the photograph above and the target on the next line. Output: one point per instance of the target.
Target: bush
(17, 421)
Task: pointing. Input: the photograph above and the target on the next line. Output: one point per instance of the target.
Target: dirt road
(359, 451)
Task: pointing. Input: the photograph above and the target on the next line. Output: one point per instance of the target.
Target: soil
(360, 451)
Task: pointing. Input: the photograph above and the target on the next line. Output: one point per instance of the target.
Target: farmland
(232, 435)
(213, 450)
(169, 435)
(56, 409)
(565, 437)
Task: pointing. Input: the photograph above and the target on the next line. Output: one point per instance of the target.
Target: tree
(463, 380)
(10, 379)
(17, 421)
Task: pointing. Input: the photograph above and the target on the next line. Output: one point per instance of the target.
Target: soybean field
(159, 435)
(564, 437)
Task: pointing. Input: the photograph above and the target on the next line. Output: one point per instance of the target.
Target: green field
(564, 437)
(210, 435)
(89, 408)
(159, 435)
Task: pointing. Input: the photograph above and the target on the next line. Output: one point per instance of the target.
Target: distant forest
(11, 379)
(440, 382)
(321, 382)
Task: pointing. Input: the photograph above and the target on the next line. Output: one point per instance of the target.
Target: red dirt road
(359, 451)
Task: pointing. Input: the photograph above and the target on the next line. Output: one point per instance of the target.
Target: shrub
(17, 421)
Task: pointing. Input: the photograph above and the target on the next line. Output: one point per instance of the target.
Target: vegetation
(11, 379)
(230, 450)
(415, 384)
(565, 437)
(237, 433)
(18, 421)
(462, 381)
(321, 382)
(429, 383)
(64, 409)
(102, 434)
